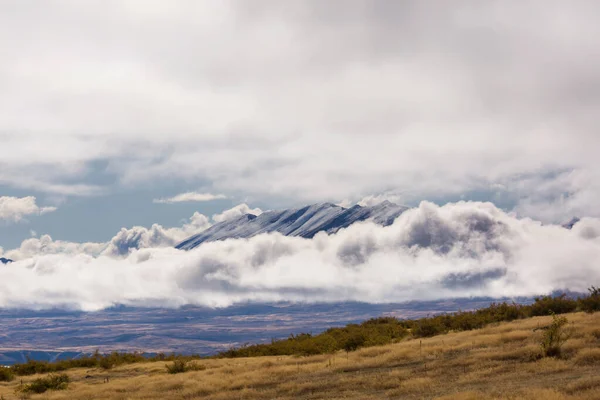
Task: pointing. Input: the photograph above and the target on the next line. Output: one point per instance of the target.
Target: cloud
(372, 200)
(561, 196)
(190, 196)
(307, 101)
(14, 209)
(157, 236)
(235, 212)
(458, 250)
(125, 241)
(44, 245)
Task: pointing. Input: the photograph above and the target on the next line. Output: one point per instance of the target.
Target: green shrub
(548, 305)
(555, 337)
(591, 303)
(177, 367)
(354, 342)
(51, 382)
(6, 374)
(180, 366)
(428, 327)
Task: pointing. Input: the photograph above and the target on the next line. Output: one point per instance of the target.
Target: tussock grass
(588, 357)
(490, 363)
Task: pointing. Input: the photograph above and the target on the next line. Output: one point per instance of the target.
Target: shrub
(591, 303)
(354, 342)
(180, 366)
(547, 305)
(554, 337)
(177, 367)
(51, 382)
(6, 374)
(428, 327)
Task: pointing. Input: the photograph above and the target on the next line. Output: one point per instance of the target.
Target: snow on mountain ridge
(304, 222)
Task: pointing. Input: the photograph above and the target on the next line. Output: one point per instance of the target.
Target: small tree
(555, 337)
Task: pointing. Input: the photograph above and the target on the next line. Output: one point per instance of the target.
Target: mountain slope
(571, 223)
(304, 222)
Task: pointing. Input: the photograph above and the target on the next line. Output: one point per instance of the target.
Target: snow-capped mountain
(5, 260)
(304, 222)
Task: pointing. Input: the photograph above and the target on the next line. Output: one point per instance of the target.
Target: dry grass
(498, 362)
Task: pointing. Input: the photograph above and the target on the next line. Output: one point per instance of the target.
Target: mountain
(5, 260)
(304, 222)
(571, 223)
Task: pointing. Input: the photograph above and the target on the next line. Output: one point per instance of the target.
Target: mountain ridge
(303, 222)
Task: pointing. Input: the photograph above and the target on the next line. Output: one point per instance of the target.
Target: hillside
(495, 362)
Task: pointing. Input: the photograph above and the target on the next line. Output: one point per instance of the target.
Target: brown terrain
(497, 362)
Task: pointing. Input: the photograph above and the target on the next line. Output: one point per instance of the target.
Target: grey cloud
(307, 100)
(587, 228)
(466, 280)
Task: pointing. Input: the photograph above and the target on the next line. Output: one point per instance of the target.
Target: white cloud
(310, 100)
(45, 245)
(190, 196)
(235, 212)
(458, 250)
(14, 209)
(372, 200)
(125, 241)
(157, 236)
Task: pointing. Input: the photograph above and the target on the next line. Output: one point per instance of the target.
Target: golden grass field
(497, 362)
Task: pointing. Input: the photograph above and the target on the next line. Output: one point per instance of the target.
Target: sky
(150, 119)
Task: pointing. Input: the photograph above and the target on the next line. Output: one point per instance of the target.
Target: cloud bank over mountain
(457, 250)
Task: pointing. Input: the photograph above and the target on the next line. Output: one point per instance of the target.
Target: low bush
(42, 385)
(374, 332)
(591, 303)
(180, 366)
(428, 327)
(6, 374)
(554, 337)
(547, 305)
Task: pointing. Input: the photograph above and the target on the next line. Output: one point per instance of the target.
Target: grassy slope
(493, 362)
